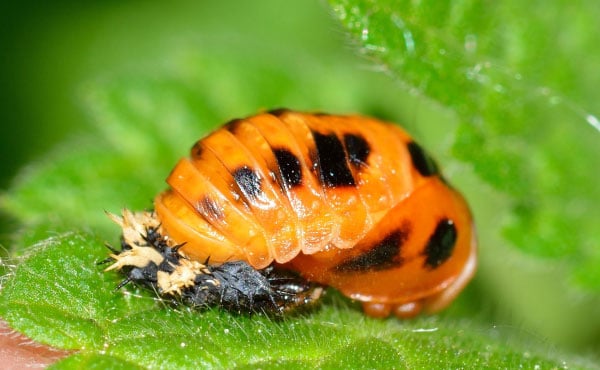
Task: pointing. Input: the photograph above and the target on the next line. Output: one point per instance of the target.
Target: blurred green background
(49, 49)
(50, 52)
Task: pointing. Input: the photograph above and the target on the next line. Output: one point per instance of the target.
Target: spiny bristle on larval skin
(135, 225)
(135, 257)
(147, 258)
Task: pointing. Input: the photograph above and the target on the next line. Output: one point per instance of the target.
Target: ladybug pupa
(269, 209)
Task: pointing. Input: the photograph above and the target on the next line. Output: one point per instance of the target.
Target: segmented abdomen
(273, 185)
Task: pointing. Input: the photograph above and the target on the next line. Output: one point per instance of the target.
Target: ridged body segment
(278, 219)
(346, 201)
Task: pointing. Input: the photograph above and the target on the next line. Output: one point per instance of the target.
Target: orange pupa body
(346, 201)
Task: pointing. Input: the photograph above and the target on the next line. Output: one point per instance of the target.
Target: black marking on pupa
(382, 256)
(331, 159)
(441, 243)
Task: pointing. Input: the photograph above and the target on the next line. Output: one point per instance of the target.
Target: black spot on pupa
(278, 111)
(209, 209)
(232, 125)
(384, 255)
(421, 160)
(197, 150)
(248, 181)
(358, 149)
(440, 244)
(331, 157)
(289, 167)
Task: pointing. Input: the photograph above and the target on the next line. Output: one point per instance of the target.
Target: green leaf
(58, 295)
(93, 361)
